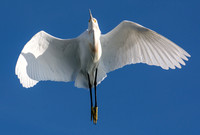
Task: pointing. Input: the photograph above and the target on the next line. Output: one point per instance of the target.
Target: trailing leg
(95, 112)
(90, 87)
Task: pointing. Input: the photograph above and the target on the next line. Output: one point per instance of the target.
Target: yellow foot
(95, 115)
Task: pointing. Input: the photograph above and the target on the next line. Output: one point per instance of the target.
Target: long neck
(95, 45)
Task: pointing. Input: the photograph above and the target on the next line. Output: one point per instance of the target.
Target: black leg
(95, 87)
(90, 87)
(95, 115)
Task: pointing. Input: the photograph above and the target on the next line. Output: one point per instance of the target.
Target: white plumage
(45, 57)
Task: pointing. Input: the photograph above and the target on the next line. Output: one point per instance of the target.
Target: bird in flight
(88, 58)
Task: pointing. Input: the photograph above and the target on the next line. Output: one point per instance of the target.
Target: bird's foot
(95, 114)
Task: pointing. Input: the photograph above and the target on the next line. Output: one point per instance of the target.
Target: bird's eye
(94, 20)
(89, 20)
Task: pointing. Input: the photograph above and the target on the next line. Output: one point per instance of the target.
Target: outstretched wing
(45, 57)
(131, 43)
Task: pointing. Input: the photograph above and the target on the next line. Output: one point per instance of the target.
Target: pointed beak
(90, 14)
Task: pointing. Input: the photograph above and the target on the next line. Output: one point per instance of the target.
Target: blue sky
(137, 99)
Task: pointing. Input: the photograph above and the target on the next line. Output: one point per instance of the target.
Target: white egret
(87, 58)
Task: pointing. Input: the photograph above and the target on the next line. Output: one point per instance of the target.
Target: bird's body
(88, 58)
(89, 53)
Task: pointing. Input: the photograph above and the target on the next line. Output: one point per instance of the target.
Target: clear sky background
(134, 100)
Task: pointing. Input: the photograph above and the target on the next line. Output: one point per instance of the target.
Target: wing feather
(131, 43)
(46, 57)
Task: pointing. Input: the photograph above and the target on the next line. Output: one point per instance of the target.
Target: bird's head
(93, 24)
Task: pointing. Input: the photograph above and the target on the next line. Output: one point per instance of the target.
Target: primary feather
(45, 57)
(131, 43)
